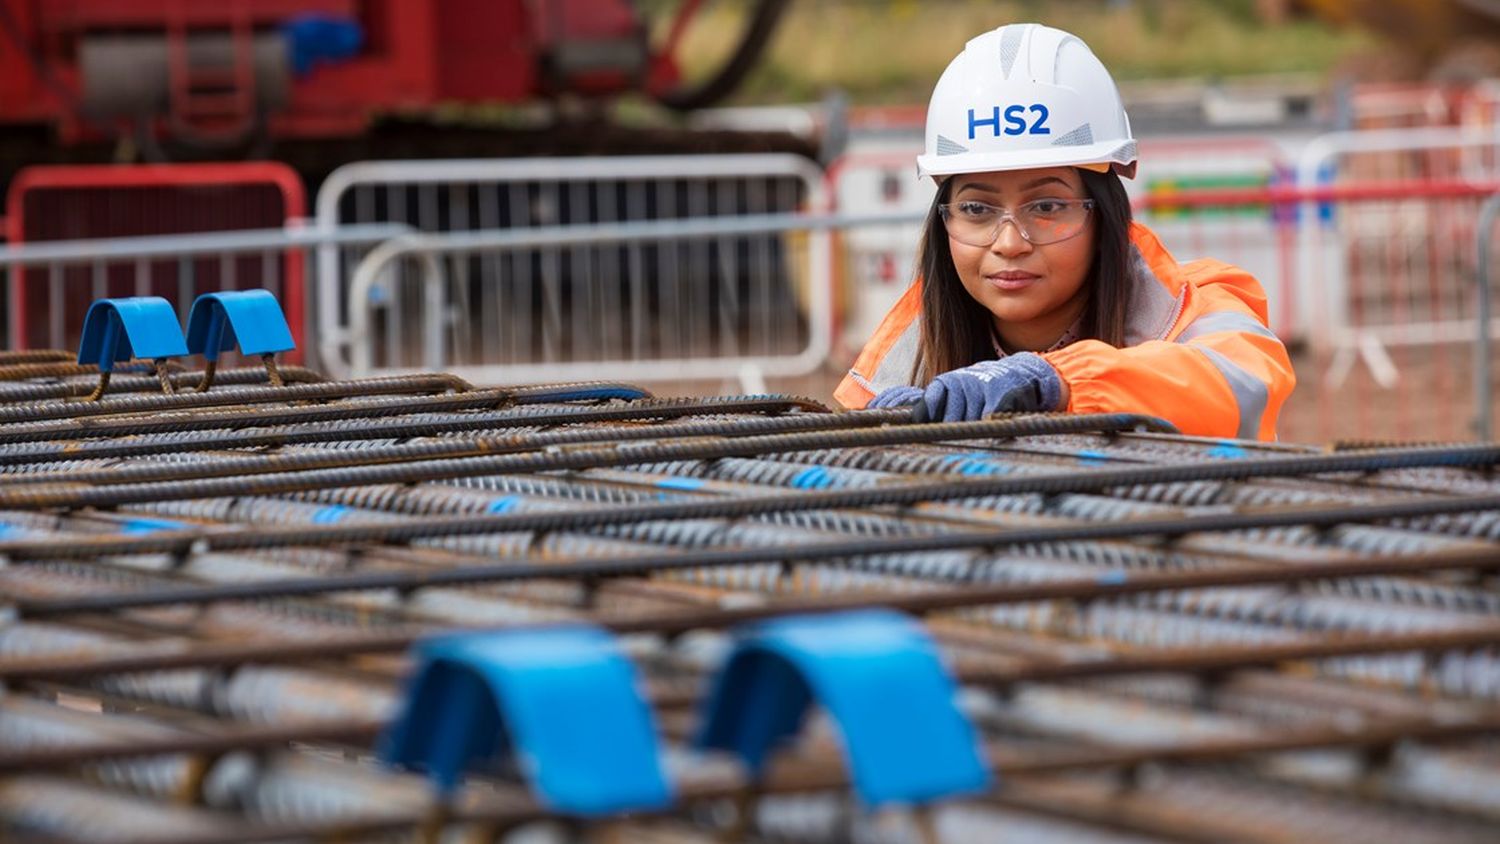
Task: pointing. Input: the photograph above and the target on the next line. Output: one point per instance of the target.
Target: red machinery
(222, 73)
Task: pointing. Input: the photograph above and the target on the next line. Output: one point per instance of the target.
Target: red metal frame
(417, 53)
(106, 177)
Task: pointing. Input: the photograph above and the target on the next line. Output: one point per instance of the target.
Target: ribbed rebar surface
(208, 598)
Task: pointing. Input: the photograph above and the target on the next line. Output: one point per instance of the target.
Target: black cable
(727, 78)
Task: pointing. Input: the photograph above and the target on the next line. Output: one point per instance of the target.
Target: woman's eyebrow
(1044, 180)
(979, 186)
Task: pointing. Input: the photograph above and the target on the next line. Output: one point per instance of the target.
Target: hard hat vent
(1010, 47)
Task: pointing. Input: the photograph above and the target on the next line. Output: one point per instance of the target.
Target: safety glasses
(1040, 221)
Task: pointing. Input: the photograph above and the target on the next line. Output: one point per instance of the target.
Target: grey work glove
(895, 397)
(1018, 383)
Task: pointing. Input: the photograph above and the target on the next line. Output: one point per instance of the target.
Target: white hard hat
(1025, 96)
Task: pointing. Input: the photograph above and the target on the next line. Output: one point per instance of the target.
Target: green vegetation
(891, 51)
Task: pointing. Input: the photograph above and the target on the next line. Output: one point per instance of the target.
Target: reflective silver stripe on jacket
(895, 368)
(1216, 321)
(1250, 393)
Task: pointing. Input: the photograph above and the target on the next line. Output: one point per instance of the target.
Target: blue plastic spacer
(562, 702)
(251, 319)
(878, 675)
(136, 327)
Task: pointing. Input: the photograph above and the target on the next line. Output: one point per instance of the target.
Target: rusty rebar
(24, 356)
(192, 401)
(272, 373)
(327, 428)
(99, 390)
(788, 775)
(967, 596)
(164, 377)
(209, 369)
(29, 497)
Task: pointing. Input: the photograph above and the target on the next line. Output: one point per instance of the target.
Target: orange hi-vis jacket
(1197, 351)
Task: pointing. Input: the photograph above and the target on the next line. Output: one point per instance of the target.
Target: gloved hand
(895, 397)
(1017, 383)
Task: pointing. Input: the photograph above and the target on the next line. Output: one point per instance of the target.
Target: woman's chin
(1015, 312)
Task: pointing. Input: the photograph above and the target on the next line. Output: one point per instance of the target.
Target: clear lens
(1041, 222)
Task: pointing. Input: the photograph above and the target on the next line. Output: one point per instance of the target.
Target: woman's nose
(1008, 241)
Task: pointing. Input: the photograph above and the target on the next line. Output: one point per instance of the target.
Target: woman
(1037, 291)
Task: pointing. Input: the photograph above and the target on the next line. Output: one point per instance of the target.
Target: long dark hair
(956, 329)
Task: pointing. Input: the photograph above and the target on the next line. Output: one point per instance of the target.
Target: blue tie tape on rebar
(139, 526)
(982, 467)
(134, 327)
(562, 702)
(330, 515)
(878, 675)
(502, 505)
(1227, 450)
(815, 477)
(975, 463)
(250, 319)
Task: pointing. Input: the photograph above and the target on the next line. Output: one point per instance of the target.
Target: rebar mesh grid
(209, 597)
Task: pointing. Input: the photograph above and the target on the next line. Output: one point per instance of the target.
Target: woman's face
(1034, 292)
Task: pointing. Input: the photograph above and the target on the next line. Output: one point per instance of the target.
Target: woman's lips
(1011, 279)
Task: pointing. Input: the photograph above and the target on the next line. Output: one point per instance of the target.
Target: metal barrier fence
(1192, 165)
(1385, 357)
(78, 271)
(76, 203)
(686, 284)
(1337, 252)
(682, 300)
(874, 264)
(1484, 386)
